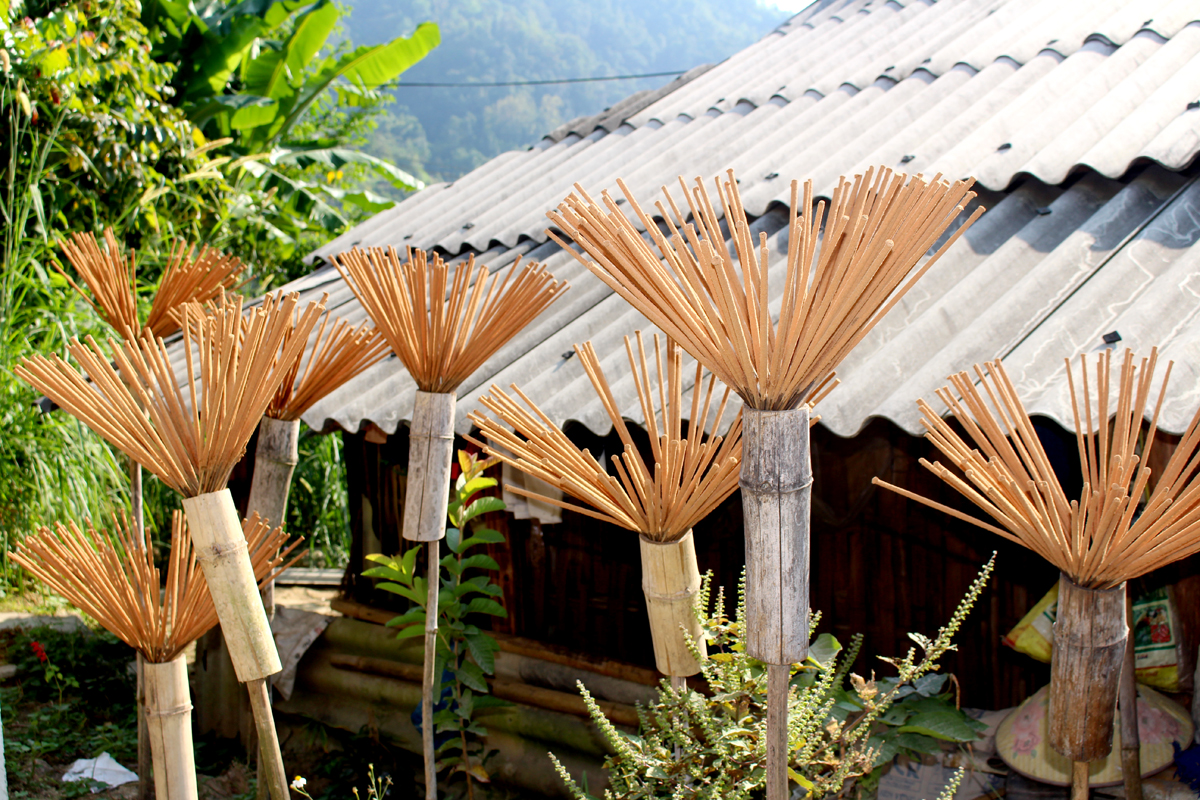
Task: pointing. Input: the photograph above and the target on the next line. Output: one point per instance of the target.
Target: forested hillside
(441, 133)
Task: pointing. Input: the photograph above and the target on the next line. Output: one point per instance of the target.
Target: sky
(791, 6)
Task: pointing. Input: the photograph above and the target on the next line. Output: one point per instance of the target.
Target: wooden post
(144, 756)
(221, 550)
(434, 577)
(275, 459)
(671, 582)
(1085, 672)
(1131, 758)
(776, 483)
(270, 759)
(430, 454)
(169, 724)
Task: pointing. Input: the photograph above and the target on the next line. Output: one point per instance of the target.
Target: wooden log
(221, 550)
(671, 583)
(1131, 757)
(1085, 669)
(517, 692)
(776, 483)
(169, 728)
(268, 741)
(275, 459)
(430, 454)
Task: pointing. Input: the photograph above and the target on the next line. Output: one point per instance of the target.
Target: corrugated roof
(1076, 117)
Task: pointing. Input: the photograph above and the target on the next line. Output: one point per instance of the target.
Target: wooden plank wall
(882, 565)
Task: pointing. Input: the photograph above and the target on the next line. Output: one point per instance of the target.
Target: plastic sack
(1155, 635)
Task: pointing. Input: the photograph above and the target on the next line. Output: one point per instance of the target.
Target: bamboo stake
(169, 721)
(1131, 757)
(1095, 540)
(192, 437)
(442, 326)
(428, 678)
(879, 227)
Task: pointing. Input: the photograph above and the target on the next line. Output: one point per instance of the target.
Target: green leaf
(950, 726)
(254, 113)
(481, 506)
(479, 561)
(476, 485)
(483, 649)
(309, 35)
(482, 536)
(471, 674)
(824, 650)
(375, 65)
(387, 572)
(407, 592)
(931, 684)
(410, 617)
(485, 605)
(411, 631)
(454, 539)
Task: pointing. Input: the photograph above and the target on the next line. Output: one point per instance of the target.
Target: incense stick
(336, 356)
(191, 429)
(112, 278)
(111, 576)
(444, 324)
(878, 229)
(686, 478)
(1003, 469)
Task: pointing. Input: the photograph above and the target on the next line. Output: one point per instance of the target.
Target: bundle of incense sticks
(111, 276)
(443, 326)
(687, 478)
(837, 287)
(190, 430)
(337, 355)
(1095, 539)
(111, 576)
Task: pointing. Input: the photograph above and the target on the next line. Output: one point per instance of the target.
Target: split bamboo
(840, 282)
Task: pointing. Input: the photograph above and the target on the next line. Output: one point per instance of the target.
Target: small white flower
(299, 783)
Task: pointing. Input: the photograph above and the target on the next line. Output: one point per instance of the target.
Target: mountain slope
(442, 133)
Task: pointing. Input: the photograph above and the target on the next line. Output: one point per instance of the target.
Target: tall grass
(51, 466)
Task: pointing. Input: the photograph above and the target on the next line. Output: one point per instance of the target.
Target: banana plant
(251, 71)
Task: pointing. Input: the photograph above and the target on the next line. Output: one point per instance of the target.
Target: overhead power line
(542, 83)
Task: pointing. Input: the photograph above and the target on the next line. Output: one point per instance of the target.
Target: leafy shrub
(694, 746)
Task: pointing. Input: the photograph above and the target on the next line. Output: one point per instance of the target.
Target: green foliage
(466, 654)
(442, 133)
(689, 745)
(52, 714)
(288, 103)
(317, 505)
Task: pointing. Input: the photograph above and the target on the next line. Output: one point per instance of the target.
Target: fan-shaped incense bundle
(190, 430)
(112, 577)
(442, 327)
(1098, 541)
(836, 288)
(111, 276)
(686, 479)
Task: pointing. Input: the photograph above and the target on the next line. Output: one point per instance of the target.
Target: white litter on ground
(104, 769)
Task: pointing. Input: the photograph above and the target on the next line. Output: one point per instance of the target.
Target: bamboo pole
(144, 755)
(1131, 758)
(430, 455)
(433, 576)
(671, 583)
(275, 458)
(169, 723)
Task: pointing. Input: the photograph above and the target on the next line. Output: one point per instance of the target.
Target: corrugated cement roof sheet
(1077, 118)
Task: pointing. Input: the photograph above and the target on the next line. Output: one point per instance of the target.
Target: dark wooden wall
(881, 565)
